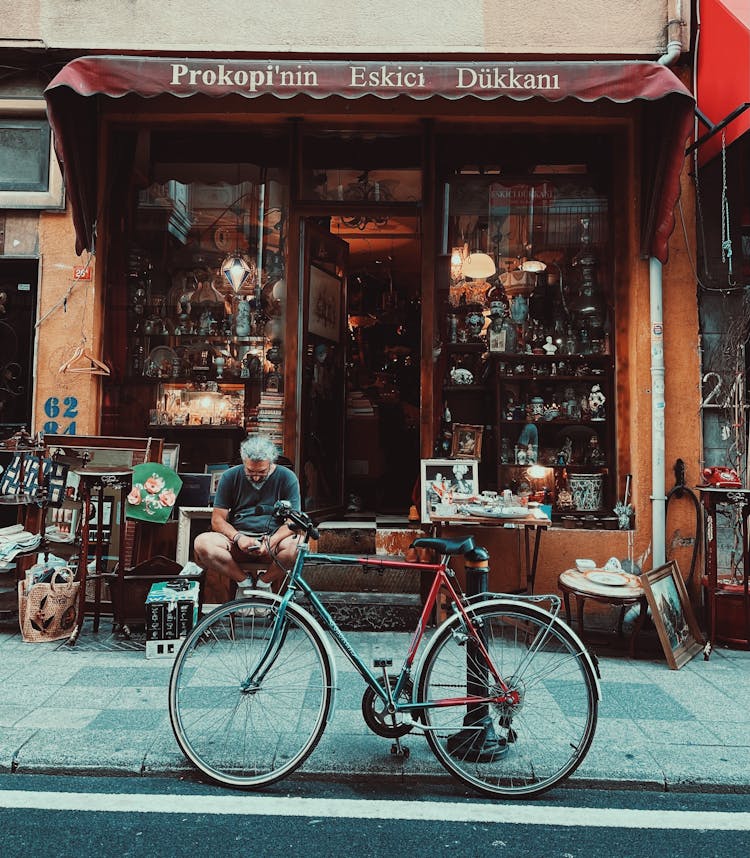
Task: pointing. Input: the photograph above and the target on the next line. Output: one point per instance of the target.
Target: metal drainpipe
(658, 496)
(658, 484)
(674, 45)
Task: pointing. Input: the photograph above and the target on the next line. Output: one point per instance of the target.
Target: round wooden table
(588, 585)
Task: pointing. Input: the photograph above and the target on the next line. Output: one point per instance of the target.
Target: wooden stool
(624, 591)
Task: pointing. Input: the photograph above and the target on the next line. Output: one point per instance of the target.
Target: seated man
(240, 533)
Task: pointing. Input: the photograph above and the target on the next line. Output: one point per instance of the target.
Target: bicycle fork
(268, 656)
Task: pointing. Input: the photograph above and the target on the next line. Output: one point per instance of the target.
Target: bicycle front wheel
(537, 738)
(248, 700)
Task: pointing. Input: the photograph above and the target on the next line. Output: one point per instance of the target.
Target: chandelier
(363, 190)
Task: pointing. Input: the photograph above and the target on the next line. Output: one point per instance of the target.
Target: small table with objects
(530, 522)
(620, 589)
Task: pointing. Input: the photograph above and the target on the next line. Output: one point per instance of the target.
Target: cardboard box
(171, 609)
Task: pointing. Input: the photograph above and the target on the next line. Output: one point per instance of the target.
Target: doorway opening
(384, 321)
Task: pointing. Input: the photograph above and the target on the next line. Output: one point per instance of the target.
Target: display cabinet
(556, 439)
(526, 327)
(201, 329)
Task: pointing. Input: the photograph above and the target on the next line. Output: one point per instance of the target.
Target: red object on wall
(723, 69)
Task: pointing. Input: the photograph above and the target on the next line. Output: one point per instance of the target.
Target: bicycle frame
(442, 580)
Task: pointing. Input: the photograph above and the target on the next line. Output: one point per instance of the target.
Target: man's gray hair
(258, 448)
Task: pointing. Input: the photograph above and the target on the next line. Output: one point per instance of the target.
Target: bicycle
(505, 693)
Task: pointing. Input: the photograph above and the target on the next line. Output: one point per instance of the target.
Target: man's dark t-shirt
(240, 496)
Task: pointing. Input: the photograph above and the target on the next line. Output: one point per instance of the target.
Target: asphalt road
(163, 817)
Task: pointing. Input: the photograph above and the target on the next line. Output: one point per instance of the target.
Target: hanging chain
(726, 236)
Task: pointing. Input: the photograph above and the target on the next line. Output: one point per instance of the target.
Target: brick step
(372, 612)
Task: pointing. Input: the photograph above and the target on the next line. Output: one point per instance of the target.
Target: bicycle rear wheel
(250, 736)
(511, 749)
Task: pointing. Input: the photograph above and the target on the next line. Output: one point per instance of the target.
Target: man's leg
(282, 548)
(213, 551)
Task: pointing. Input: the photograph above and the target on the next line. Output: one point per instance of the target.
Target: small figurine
(595, 454)
(596, 403)
(549, 347)
(565, 454)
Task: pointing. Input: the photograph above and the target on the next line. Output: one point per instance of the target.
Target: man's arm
(220, 524)
(290, 489)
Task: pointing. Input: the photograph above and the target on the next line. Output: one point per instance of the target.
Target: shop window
(526, 313)
(204, 302)
(29, 174)
(361, 167)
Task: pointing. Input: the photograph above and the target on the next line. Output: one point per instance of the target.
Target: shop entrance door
(322, 337)
(18, 288)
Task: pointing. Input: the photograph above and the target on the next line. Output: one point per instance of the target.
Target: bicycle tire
(510, 751)
(249, 739)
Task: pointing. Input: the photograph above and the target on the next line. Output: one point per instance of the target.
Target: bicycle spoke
(510, 748)
(249, 737)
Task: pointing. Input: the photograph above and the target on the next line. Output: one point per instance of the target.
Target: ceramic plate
(608, 579)
(499, 512)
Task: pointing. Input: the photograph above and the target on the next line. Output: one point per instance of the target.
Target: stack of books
(268, 418)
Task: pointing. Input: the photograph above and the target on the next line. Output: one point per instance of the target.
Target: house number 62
(58, 412)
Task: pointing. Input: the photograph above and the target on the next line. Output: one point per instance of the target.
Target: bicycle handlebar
(283, 512)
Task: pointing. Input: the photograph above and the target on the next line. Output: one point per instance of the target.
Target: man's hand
(247, 544)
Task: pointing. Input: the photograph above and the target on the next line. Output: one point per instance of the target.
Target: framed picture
(191, 520)
(672, 615)
(442, 480)
(170, 456)
(467, 441)
(324, 317)
(496, 340)
(216, 470)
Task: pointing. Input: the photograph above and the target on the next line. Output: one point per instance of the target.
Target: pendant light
(236, 269)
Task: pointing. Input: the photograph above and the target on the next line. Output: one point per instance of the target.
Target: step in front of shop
(359, 600)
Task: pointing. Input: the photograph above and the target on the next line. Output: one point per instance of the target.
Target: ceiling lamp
(478, 266)
(236, 269)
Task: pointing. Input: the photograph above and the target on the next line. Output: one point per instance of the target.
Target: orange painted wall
(64, 328)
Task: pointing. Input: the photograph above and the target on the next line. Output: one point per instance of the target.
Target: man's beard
(258, 484)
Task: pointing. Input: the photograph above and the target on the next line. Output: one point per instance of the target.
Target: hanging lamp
(236, 269)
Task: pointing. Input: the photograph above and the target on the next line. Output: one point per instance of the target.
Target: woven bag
(48, 611)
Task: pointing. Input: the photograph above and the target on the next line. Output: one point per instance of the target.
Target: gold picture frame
(467, 441)
(672, 614)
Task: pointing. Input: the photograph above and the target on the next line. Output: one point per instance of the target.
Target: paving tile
(83, 751)
(640, 701)
(117, 677)
(129, 720)
(10, 716)
(60, 719)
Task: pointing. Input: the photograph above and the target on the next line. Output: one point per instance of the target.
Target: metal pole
(478, 741)
(658, 495)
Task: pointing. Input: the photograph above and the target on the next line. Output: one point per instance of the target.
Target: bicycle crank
(390, 725)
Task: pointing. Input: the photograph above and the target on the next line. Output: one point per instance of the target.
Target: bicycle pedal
(382, 662)
(399, 750)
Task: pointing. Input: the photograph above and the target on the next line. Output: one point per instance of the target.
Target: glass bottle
(571, 346)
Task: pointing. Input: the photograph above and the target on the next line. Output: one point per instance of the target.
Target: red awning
(72, 99)
(723, 69)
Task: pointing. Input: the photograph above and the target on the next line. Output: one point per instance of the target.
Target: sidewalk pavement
(100, 707)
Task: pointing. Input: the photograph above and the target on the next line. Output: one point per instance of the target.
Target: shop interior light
(534, 265)
(236, 269)
(458, 255)
(478, 266)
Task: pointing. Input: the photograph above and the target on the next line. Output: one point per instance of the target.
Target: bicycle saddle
(445, 546)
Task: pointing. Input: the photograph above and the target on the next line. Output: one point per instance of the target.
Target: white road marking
(255, 805)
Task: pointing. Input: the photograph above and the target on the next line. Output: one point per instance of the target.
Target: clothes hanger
(92, 365)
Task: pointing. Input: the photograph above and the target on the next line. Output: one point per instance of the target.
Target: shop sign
(413, 79)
